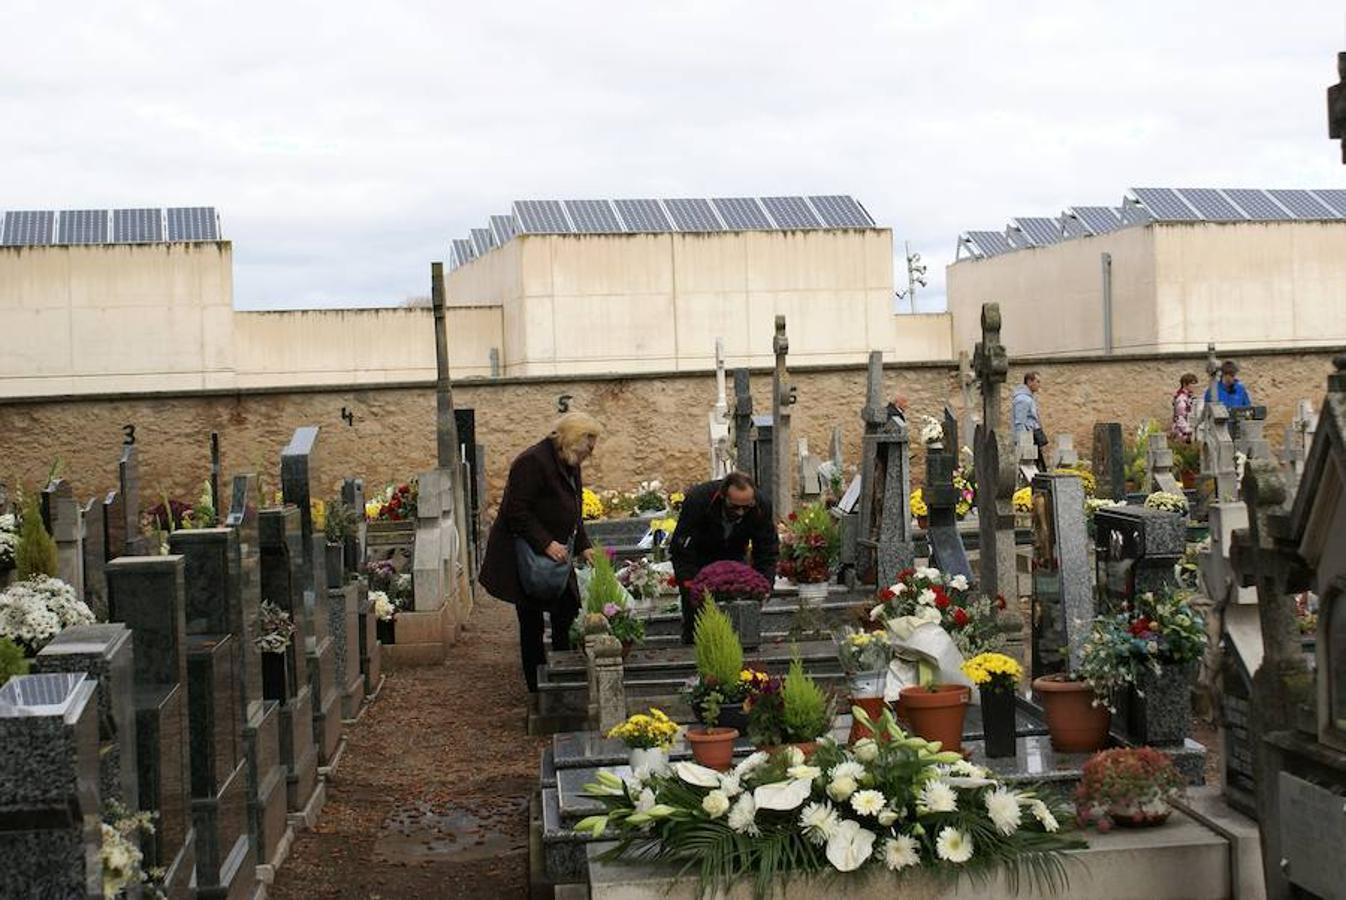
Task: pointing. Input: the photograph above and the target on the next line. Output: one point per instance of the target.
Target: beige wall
(116, 317)
(1176, 287)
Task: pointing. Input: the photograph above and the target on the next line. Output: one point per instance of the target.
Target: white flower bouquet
(1093, 504)
(897, 805)
(33, 612)
(384, 610)
(932, 431)
(9, 540)
(1175, 503)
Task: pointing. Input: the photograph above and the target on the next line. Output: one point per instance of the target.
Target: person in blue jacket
(1230, 390)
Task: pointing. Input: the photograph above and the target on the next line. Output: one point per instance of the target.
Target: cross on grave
(720, 461)
(884, 544)
(1246, 426)
(743, 459)
(1028, 457)
(1064, 456)
(995, 469)
(1299, 436)
(782, 398)
(1217, 480)
(1159, 467)
(810, 483)
(967, 379)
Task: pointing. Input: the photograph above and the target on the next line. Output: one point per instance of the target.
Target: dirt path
(430, 799)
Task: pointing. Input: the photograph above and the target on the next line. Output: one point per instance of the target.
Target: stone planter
(1159, 709)
(997, 717)
(746, 617)
(937, 713)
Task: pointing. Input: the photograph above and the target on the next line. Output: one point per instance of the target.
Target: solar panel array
(109, 226)
(652, 216)
(1143, 206)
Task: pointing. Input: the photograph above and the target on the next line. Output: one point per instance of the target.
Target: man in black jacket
(719, 520)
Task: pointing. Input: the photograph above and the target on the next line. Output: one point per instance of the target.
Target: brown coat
(541, 505)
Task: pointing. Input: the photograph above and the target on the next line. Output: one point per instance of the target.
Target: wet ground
(430, 799)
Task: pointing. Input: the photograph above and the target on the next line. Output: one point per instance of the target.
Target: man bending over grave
(721, 520)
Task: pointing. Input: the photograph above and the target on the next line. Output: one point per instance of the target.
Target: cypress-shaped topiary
(719, 654)
(604, 588)
(805, 706)
(36, 553)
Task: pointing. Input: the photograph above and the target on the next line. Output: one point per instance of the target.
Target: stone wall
(656, 426)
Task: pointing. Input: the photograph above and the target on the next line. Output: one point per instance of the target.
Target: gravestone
(103, 652)
(279, 542)
(1217, 482)
(260, 715)
(782, 399)
(95, 557)
(1064, 456)
(343, 611)
(834, 452)
(1240, 657)
(721, 461)
(353, 496)
(995, 468)
(1246, 430)
(146, 593)
(967, 379)
(1159, 467)
(941, 498)
(1136, 550)
(1028, 458)
(810, 483)
(50, 831)
(430, 572)
(62, 515)
(1063, 591)
(884, 540)
(764, 456)
(1109, 461)
(128, 479)
(1219, 580)
(297, 462)
(473, 478)
(743, 450)
(113, 506)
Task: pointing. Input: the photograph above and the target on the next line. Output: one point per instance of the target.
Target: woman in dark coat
(543, 505)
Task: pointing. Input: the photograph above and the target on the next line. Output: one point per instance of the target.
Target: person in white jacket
(1024, 416)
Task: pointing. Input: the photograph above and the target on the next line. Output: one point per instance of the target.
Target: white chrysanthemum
(806, 772)
(958, 583)
(954, 845)
(743, 816)
(868, 803)
(963, 767)
(900, 852)
(752, 763)
(866, 750)
(937, 796)
(715, 804)
(926, 597)
(1003, 808)
(1043, 815)
(730, 784)
(847, 769)
(819, 821)
(840, 789)
(930, 573)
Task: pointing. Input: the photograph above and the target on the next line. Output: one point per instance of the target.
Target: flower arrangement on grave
(862, 651)
(1154, 633)
(1174, 503)
(122, 861)
(641, 579)
(9, 540)
(789, 710)
(997, 678)
(340, 522)
(1186, 459)
(618, 503)
(384, 609)
(605, 596)
(591, 505)
(1136, 451)
(399, 587)
(936, 598)
(647, 730)
(1093, 504)
(832, 477)
(1022, 500)
(919, 509)
(1187, 571)
(721, 681)
(202, 514)
(1306, 612)
(810, 545)
(967, 492)
(727, 581)
(1128, 785)
(397, 503)
(675, 500)
(13, 662)
(35, 551)
(650, 497)
(275, 628)
(932, 431)
(169, 514)
(1084, 472)
(898, 805)
(34, 611)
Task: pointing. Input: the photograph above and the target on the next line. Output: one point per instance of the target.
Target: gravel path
(430, 799)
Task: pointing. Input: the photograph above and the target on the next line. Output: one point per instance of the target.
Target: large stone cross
(720, 457)
(782, 398)
(995, 467)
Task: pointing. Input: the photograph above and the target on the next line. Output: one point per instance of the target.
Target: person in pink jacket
(1183, 427)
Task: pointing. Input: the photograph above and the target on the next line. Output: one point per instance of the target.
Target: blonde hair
(571, 430)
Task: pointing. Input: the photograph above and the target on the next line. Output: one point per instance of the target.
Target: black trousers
(531, 647)
(689, 612)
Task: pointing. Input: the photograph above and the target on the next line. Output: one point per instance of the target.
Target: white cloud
(346, 144)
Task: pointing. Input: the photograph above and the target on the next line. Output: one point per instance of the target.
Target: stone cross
(66, 523)
(871, 497)
(1299, 436)
(1064, 456)
(782, 398)
(743, 458)
(967, 380)
(1063, 595)
(721, 463)
(996, 473)
(1159, 467)
(1108, 463)
(1218, 480)
(448, 445)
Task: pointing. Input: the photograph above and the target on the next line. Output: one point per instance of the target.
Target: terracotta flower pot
(713, 747)
(873, 707)
(1075, 724)
(937, 713)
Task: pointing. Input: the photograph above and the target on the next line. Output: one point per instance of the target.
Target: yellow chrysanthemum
(1023, 500)
(985, 666)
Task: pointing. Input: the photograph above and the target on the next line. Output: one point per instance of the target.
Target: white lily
(783, 795)
(849, 846)
(697, 775)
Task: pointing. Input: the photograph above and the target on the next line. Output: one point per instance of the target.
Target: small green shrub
(36, 554)
(719, 655)
(604, 588)
(806, 707)
(12, 660)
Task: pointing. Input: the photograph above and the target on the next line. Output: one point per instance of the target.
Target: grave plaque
(1109, 461)
(1312, 836)
(946, 545)
(1241, 654)
(1136, 550)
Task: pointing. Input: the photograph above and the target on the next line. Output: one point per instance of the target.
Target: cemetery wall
(656, 425)
(1175, 287)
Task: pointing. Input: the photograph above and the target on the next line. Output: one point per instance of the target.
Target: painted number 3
(130, 435)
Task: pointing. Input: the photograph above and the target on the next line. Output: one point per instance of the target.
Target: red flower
(941, 598)
(960, 617)
(1000, 601)
(886, 594)
(793, 517)
(671, 581)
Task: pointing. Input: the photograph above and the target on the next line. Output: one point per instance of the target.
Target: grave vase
(813, 592)
(997, 716)
(385, 631)
(1076, 725)
(1159, 709)
(336, 564)
(277, 678)
(653, 760)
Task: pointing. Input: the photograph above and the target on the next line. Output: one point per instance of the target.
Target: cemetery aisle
(443, 750)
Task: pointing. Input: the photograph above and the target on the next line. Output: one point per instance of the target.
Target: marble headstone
(1109, 461)
(1136, 550)
(1063, 590)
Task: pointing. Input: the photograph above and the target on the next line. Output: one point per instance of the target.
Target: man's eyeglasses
(739, 507)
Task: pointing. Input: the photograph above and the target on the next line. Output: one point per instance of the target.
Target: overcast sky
(344, 144)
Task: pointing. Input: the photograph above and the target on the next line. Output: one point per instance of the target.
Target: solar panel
(643, 215)
(482, 241)
(1302, 204)
(29, 227)
(1071, 226)
(1335, 199)
(1040, 231)
(989, 243)
(1098, 219)
(541, 217)
(1017, 239)
(841, 211)
(193, 223)
(1211, 204)
(82, 226)
(504, 228)
(1256, 204)
(593, 217)
(791, 212)
(137, 226)
(693, 214)
(462, 251)
(1165, 205)
(1134, 214)
(741, 214)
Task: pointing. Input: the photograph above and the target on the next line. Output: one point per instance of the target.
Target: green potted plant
(604, 596)
(996, 677)
(339, 523)
(718, 685)
(1129, 786)
(790, 711)
(12, 660)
